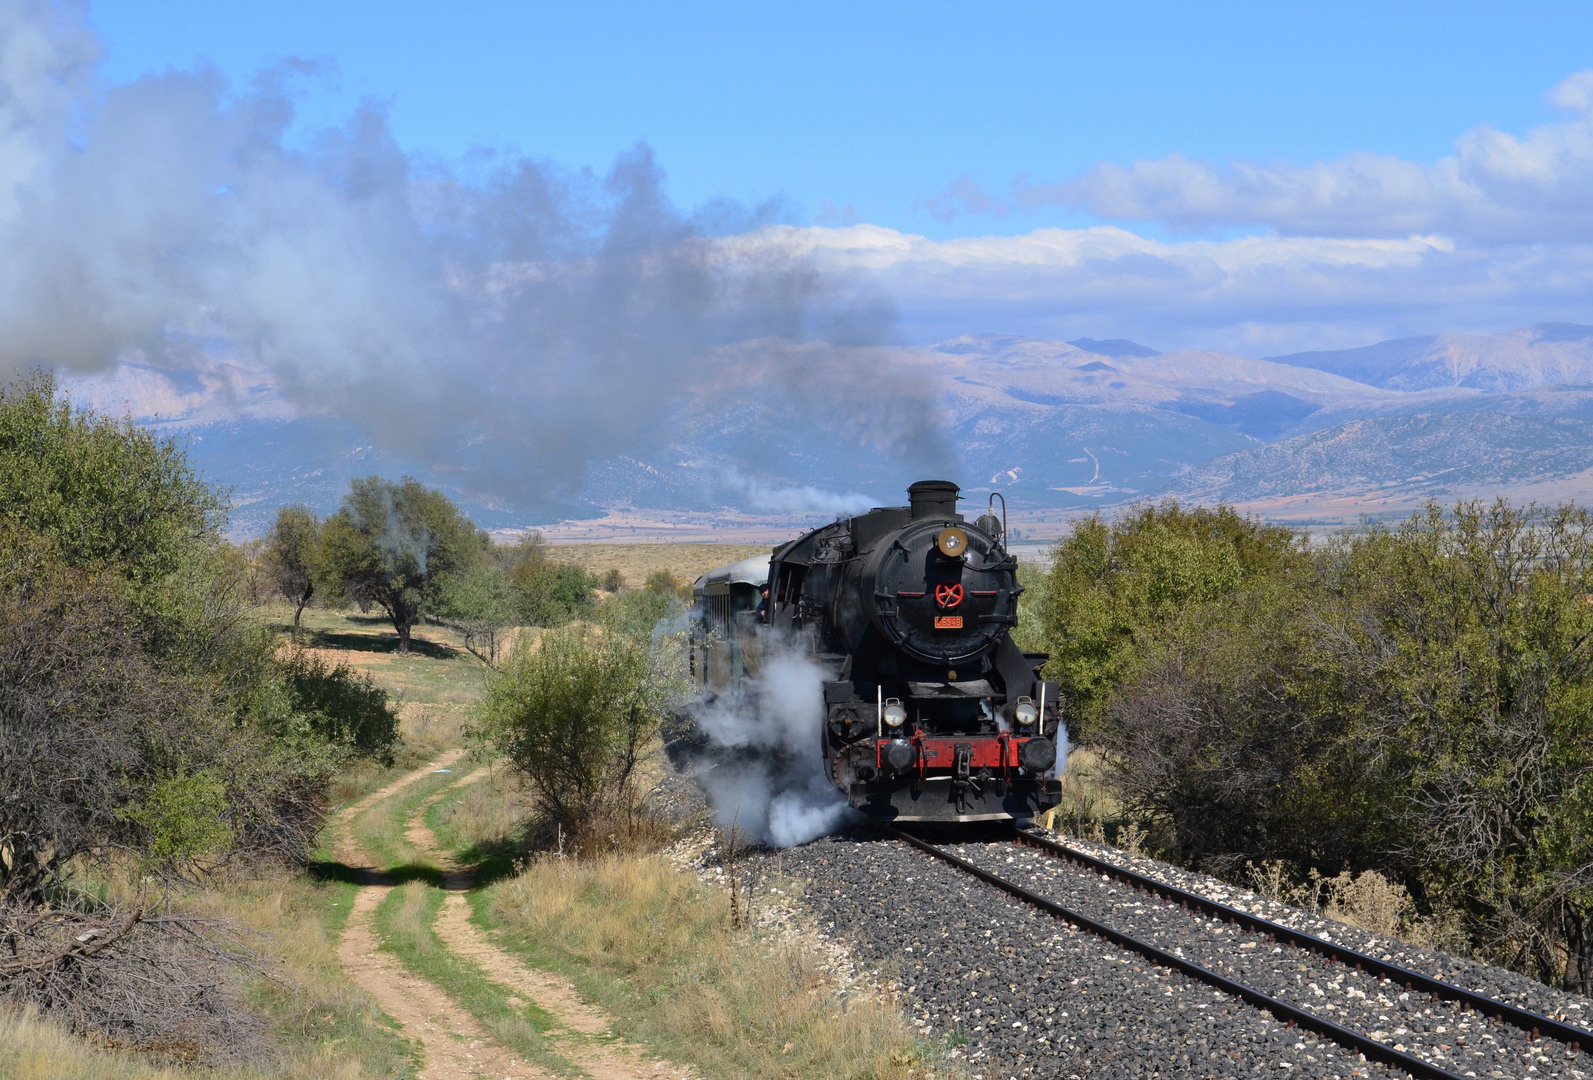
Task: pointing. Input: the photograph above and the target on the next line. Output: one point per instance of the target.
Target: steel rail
(1525, 1019)
(1348, 1038)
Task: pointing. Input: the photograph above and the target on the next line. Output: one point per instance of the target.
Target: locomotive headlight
(895, 714)
(1025, 713)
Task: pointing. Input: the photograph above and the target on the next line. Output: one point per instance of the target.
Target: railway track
(1483, 1018)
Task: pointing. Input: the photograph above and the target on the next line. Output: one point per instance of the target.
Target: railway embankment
(1018, 992)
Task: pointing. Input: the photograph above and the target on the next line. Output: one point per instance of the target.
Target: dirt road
(452, 1042)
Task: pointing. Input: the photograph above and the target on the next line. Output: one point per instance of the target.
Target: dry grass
(485, 819)
(439, 670)
(654, 946)
(35, 1049)
(1367, 900)
(686, 561)
(326, 1022)
(1086, 806)
(32, 1048)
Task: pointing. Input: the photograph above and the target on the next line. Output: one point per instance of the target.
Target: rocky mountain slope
(1054, 425)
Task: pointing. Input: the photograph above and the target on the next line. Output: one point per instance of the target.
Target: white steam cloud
(805, 499)
(769, 781)
(512, 318)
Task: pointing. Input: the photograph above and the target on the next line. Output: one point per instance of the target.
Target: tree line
(142, 711)
(1413, 698)
(408, 551)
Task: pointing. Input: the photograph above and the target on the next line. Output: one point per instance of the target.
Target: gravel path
(1023, 994)
(1462, 1042)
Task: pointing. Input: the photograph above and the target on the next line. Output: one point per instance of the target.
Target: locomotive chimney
(933, 499)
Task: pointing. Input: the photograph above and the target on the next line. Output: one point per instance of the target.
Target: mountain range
(1058, 427)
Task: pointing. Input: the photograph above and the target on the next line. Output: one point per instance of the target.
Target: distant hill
(1052, 424)
(1541, 355)
(1113, 347)
(1430, 455)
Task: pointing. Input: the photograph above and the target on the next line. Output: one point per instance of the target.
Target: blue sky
(879, 107)
(438, 270)
(1255, 179)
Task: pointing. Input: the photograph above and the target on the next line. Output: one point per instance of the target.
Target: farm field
(686, 561)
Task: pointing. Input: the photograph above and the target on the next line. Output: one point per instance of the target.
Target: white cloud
(1497, 188)
(1257, 295)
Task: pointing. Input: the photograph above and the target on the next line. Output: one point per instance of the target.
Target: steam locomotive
(931, 711)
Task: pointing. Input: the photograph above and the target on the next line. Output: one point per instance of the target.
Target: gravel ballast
(1459, 1041)
(1021, 993)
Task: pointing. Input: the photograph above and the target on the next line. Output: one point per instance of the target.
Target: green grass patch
(405, 923)
(480, 824)
(380, 829)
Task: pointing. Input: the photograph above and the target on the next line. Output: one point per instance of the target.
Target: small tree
(393, 545)
(546, 593)
(481, 602)
(576, 713)
(292, 557)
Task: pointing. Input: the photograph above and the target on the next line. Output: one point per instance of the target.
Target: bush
(142, 708)
(339, 706)
(1416, 701)
(547, 593)
(1114, 589)
(106, 494)
(87, 720)
(639, 613)
(576, 713)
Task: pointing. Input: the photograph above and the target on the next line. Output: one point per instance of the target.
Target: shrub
(340, 706)
(133, 685)
(638, 613)
(576, 713)
(1115, 587)
(85, 716)
(1414, 701)
(549, 593)
(106, 494)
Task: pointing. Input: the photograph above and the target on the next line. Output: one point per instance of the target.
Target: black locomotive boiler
(931, 711)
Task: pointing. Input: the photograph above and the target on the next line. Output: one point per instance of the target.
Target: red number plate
(948, 622)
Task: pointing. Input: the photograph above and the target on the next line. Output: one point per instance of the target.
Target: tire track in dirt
(453, 1046)
(586, 1040)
